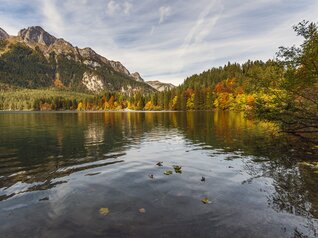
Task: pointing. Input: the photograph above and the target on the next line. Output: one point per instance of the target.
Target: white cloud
(164, 12)
(112, 8)
(52, 17)
(127, 6)
(116, 7)
(201, 34)
(202, 27)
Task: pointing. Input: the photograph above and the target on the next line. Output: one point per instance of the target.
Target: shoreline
(85, 111)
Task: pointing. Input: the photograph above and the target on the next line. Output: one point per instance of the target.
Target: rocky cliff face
(159, 86)
(35, 35)
(3, 35)
(137, 77)
(117, 66)
(81, 67)
(94, 83)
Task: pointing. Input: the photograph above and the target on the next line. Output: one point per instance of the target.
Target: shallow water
(58, 169)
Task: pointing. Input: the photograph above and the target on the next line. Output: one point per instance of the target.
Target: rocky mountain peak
(36, 37)
(117, 66)
(136, 76)
(36, 34)
(87, 53)
(3, 35)
(159, 86)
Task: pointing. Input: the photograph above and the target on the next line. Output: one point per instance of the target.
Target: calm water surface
(58, 169)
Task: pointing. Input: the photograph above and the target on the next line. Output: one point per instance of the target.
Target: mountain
(3, 35)
(137, 77)
(159, 86)
(36, 59)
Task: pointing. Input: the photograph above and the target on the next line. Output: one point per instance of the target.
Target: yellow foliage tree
(174, 103)
(149, 106)
(190, 102)
(80, 107)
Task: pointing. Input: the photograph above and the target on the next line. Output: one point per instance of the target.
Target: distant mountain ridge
(36, 35)
(34, 59)
(159, 86)
(3, 35)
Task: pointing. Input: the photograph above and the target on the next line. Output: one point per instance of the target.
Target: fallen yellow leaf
(205, 201)
(168, 172)
(103, 211)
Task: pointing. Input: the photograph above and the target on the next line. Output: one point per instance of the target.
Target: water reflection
(76, 160)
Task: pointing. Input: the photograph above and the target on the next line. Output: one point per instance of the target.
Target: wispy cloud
(201, 28)
(164, 12)
(166, 40)
(52, 17)
(127, 7)
(112, 8)
(118, 8)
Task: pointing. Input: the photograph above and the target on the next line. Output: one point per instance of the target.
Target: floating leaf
(206, 201)
(168, 172)
(142, 210)
(177, 169)
(103, 211)
(159, 163)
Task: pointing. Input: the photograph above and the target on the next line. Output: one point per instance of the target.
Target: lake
(96, 175)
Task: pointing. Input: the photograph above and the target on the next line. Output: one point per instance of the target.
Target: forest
(284, 90)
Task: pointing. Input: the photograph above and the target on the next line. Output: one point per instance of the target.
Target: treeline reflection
(38, 148)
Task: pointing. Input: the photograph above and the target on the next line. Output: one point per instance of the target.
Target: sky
(166, 40)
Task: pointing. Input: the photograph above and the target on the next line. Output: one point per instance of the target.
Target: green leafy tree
(294, 104)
